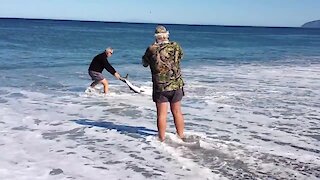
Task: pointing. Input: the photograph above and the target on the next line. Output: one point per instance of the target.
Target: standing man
(97, 65)
(164, 57)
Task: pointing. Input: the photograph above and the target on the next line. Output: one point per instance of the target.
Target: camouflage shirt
(164, 61)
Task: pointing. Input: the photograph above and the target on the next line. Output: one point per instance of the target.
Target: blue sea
(251, 105)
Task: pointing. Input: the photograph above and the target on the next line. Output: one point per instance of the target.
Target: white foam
(255, 121)
(193, 169)
(146, 90)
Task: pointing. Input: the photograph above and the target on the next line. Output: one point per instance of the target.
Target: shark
(132, 87)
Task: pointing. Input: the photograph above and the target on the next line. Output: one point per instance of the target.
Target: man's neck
(162, 41)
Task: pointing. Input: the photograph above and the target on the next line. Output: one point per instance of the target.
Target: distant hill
(312, 24)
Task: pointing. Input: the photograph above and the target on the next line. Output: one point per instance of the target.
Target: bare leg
(105, 85)
(162, 110)
(178, 118)
(94, 83)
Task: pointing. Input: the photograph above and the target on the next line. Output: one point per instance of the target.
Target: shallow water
(252, 101)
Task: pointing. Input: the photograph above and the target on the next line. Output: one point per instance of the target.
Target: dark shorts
(96, 76)
(168, 96)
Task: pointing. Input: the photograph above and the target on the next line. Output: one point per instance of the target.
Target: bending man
(96, 67)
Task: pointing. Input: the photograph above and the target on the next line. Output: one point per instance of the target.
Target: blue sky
(289, 13)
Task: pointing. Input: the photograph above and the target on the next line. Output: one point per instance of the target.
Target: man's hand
(117, 75)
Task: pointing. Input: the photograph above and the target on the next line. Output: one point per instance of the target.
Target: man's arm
(117, 75)
(145, 58)
(178, 52)
(109, 68)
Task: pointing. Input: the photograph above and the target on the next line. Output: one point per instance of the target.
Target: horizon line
(127, 22)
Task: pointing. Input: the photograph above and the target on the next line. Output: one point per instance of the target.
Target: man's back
(97, 64)
(164, 60)
(100, 62)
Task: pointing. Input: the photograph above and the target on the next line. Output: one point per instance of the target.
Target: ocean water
(252, 103)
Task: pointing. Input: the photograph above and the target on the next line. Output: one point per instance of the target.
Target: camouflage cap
(160, 29)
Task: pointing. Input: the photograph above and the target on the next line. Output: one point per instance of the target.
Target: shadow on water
(136, 131)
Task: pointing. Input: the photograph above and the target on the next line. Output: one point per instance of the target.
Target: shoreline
(151, 23)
